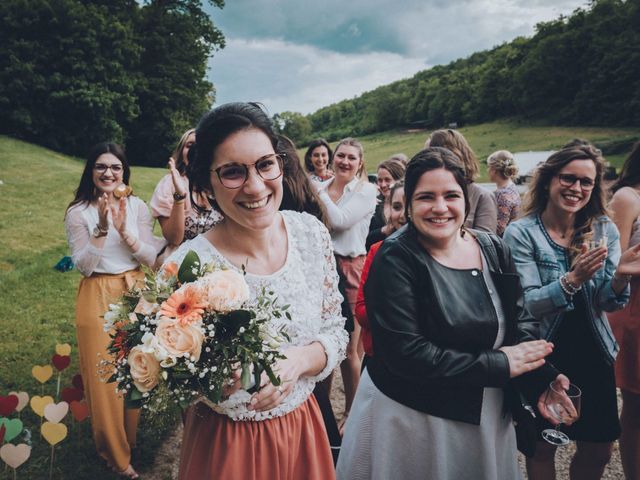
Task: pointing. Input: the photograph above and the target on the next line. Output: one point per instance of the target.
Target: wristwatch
(99, 232)
(177, 197)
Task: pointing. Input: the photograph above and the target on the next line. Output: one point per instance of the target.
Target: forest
(74, 72)
(582, 69)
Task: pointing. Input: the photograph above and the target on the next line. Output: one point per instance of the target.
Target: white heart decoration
(23, 399)
(15, 455)
(54, 412)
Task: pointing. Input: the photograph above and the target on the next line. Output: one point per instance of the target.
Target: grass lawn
(489, 137)
(37, 305)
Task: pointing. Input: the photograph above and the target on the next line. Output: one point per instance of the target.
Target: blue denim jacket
(540, 263)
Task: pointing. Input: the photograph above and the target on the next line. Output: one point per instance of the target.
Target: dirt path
(166, 464)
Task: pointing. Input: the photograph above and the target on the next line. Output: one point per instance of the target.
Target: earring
(463, 231)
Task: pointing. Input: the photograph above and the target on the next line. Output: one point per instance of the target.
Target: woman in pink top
(182, 216)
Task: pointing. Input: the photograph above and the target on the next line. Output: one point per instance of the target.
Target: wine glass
(564, 405)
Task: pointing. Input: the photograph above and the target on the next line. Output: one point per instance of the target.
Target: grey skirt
(385, 440)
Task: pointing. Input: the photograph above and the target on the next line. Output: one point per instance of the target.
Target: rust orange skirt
(291, 447)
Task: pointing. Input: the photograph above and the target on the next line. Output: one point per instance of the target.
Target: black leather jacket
(425, 358)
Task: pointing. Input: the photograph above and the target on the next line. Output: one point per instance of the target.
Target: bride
(277, 432)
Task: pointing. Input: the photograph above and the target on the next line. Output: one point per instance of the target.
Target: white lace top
(309, 284)
(114, 256)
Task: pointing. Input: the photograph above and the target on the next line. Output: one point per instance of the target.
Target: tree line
(582, 69)
(76, 72)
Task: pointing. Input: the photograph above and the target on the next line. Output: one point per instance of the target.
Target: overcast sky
(299, 55)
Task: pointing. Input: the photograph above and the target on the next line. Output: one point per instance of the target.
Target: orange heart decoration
(54, 432)
(42, 373)
(23, 399)
(15, 455)
(80, 410)
(55, 412)
(63, 349)
(38, 403)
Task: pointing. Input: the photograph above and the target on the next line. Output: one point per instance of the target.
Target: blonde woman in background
(181, 215)
(349, 200)
(483, 211)
(502, 169)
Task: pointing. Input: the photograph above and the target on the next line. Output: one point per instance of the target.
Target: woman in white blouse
(350, 201)
(277, 432)
(109, 233)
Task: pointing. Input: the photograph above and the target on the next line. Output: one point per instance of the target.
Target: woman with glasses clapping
(567, 254)
(110, 236)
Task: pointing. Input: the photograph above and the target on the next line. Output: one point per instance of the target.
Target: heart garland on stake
(55, 412)
(42, 373)
(12, 426)
(8, 404)
(80, 410)
(38, 403)
(61, 361)
(23, 400)
(63, 349)
(70, 394)
(15, 455)
(54, 433)
(76, 381)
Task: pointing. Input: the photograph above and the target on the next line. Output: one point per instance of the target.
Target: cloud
(287, 76)
(299, 55)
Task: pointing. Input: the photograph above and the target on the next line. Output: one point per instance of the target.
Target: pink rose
(146, 308)
(225, 290)
(144, 369)
(179, 340)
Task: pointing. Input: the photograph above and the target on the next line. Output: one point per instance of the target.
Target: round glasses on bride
(234, 175)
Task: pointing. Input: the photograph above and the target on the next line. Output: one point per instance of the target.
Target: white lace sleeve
(85, 256)
(147, 252)
(332, 335)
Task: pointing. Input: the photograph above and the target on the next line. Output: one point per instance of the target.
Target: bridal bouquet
(183, 334)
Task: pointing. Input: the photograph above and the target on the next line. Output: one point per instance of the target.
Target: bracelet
(570, 285)
(177, 197)
(567, 287)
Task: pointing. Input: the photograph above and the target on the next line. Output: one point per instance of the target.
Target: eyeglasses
(102, 168)
(567, 180)
(234, 175)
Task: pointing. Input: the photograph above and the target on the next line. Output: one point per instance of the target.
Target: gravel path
(166, 464)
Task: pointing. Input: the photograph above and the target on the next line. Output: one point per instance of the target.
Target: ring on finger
(280, 390)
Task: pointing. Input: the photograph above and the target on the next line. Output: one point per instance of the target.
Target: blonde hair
(455, 142)
(352, 142)
(503, 163)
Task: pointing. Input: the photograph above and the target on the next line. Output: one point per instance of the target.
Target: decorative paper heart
(80, 410)
(3, 430)
(70, 394)
(54, 412)
(15, 455)
(38, 403)
(76, 381)
(42, 373)
(13, 427)
(60, 361)
(54, 432)
(63, 349)
(23, 399)
(8, 404)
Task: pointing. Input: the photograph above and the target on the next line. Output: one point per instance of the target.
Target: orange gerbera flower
(185, 305)
(170, 269)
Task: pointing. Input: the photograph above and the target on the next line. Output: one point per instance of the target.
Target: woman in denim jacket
(568, 288)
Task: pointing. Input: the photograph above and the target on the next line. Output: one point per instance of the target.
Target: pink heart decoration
(80, 410)
(70, 394)
(55, 412)
(15, 455)
(61, 361)
(76, 381)
(8, 404)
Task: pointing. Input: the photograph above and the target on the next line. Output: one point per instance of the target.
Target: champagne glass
(600, 238)
(564, 405)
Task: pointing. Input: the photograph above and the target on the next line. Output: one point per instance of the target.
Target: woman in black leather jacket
(450, 332)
